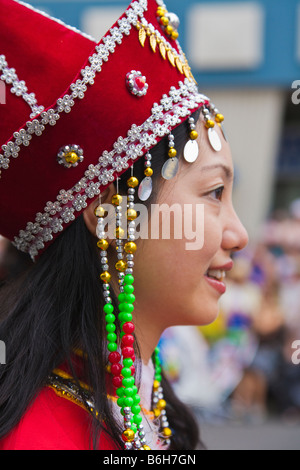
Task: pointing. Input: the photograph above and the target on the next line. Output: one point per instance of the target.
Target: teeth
(217, 274)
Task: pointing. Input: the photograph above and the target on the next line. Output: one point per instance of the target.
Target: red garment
(53, 423)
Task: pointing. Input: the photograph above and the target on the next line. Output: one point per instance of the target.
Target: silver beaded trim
(18, 87)
(179, 104)
(77, 90)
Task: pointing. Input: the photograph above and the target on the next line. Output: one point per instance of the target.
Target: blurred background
(241, 379)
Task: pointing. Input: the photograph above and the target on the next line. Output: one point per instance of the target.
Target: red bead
(128, 352)
(114, 357)
(132, 368)
(116, 369)
(117, 381)
(128, 340)
(128, 328)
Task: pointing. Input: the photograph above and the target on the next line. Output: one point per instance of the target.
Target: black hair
(55, 306)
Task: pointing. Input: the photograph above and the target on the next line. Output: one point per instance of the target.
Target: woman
(83, 368)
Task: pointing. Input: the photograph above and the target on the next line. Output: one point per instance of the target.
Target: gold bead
(103, 244)
(156, 412)
(219, 118)
(164, 21)
(116, 200)
(161, 404)
(169, 30)
(130, 248)
(156, 384)
(133, 182)
(167, 432)
(146, 447)
(119, 232)
(172, 152)
(175, 35)
(161, 11)
(105, 277)
(193, 135)
(131, 214)
(121, 266)
(148, 172)
(71, 157)
(128, 435)
(99, 211)
(210, 124)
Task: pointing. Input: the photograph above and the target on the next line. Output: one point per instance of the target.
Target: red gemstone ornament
(136, 83)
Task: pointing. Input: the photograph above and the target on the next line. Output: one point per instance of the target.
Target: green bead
(137, 419)
(112, 347)
(121, 402)
(136, 409)
(130, 298)
(128, 391)
(128, 381)
(134, 428)
(128, 362)
(128, 279)
(110, 327)
(110, 318)
(120, 392)
(108, 308)
(136, 399)
(127, 317)
(121, 297)
(121, 316)
(129, 308)
(128, 401)
(158, 377)
(126, 372)
(128, 289)
(111, 337)
(135, 389)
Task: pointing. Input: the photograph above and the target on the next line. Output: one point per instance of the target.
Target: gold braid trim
(64, 386)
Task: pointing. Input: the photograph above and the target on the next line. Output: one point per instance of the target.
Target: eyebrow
(226, 169)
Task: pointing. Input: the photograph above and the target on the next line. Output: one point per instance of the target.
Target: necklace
(65, 386)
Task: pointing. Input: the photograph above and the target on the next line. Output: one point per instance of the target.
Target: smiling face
(179, 286)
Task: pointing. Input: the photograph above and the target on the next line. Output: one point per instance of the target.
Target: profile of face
(176, 284)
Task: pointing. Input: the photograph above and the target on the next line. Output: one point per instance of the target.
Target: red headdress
(78, 114)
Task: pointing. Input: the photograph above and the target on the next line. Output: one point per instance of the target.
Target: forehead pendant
(136, 83)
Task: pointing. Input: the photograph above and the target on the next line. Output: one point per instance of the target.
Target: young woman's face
(179, 281)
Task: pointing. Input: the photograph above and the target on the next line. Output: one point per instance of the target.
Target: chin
(209, 314)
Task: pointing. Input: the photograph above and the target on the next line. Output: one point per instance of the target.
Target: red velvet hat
(78, 114)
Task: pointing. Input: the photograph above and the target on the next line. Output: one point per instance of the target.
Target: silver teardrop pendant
(223, 132)
(191, 151)
(214, 139)
(170, 168)
(145, 189)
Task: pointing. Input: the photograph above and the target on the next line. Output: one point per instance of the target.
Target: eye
(217, 193)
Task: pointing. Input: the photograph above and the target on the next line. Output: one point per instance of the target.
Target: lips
(216, 275)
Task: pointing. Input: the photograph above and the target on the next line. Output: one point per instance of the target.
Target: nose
(235, 235)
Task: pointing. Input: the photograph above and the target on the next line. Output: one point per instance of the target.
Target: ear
(89, 213)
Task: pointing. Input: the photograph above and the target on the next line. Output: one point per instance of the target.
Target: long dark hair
(55, 306)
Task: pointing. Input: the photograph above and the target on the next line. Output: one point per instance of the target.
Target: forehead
(210, 160)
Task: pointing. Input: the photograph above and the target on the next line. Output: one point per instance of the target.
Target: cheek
(212, 235)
